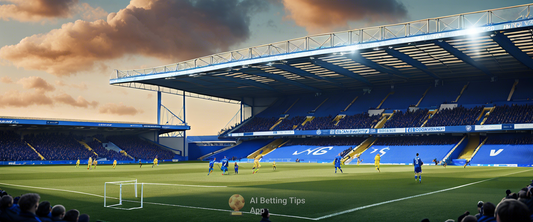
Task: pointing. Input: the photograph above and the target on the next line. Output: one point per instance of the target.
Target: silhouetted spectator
(44, 211)
(58, 213)
(265, 215)
(7, 214)
(84, 218)
(71, 216)
(512, 211)
(28, 206)
(469, 218)
(487, 214)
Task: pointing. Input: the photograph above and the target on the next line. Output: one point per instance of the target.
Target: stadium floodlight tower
(416, 52)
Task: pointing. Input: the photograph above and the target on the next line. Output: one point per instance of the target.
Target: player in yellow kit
(274, 165)
(155, 162)
(95, 162)
(114, 163)
(89, 163)
(376, 162)
(256, 164)
(78, 163)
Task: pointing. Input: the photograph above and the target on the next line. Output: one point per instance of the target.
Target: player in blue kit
(224, 167)
(337, 162)
(211, 166)
(417, 162)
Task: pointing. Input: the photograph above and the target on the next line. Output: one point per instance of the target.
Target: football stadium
(428, 120)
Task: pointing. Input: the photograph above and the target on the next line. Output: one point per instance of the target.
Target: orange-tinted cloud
(171, 30)
(119, 109)
(6, 79)
(81, 86)
(34, 82)
(24, 99)
(80, 102)
(330, 15)
(36, 10)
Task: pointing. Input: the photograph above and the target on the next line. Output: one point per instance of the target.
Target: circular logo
(468, 128)
(236, 202)
(318, 132)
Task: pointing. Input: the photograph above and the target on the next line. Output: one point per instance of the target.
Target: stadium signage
(348, 131)
(392, 130)
(426, 129)
(8, 121)
(488, 127)
(52, 122)
(523, 126)
(151, 126)
(287, 132)
(316, 151)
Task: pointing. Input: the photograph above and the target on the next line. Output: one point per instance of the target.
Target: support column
(158, 107)
(184, 131)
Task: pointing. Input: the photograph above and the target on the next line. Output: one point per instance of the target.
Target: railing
(345, 38)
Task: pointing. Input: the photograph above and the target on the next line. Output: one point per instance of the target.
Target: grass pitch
(294, 192)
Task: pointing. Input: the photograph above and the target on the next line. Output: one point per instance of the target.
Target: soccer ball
(236, 202)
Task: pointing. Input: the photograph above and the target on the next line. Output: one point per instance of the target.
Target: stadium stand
(58, 146)
(407, 119)
(140, 149)
(12, 148)
(242, 150)
(512, 149)
(104, 153)
(402, 150)
(455, 117)
(511, 114)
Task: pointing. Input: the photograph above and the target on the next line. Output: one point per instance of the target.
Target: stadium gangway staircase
(42, 157)
(445, 159)
(477, 149)
(423, 96)
(384, 118)
(384, 99)
(308, 119)
(277, 122)
(485, 115)
(217, 151)
(430, 114)
(87, 147)
(94, 138)
(267, 148)
(359, 149)
(473, 143)
(338, 118)
(512, 90)
(461, 93)
(349, 105)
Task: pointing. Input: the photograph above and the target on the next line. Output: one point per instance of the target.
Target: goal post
(123, 195)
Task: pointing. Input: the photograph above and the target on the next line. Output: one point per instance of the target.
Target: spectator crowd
(458, 116)
(28, 208)
(407, 119)
(511, 114)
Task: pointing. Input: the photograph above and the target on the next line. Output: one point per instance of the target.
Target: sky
(57, 56)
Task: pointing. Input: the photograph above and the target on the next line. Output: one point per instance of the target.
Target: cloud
(119, 109)
(6, 79)
(89, 13)
(171, 30)
(36, 10)
(80, 102)
(34, 82)
(323, 16)
(81, 86)
(15, 98)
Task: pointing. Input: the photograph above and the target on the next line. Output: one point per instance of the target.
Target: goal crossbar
(120, 184)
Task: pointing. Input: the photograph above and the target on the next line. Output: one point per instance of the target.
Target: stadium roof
(40, 124)
(485, 44)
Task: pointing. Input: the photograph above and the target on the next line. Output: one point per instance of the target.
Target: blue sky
(56, 59)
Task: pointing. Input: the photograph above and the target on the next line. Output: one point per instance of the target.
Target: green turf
(325, 192)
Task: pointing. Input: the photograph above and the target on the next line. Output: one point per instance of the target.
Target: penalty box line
(410, 197)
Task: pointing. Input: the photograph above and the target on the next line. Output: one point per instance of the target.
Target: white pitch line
(183, 185)
(45, 188)
(406, 198)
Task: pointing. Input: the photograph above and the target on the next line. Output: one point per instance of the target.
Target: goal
(123, 195)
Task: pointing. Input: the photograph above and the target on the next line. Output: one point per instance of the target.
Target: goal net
(123, 195)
